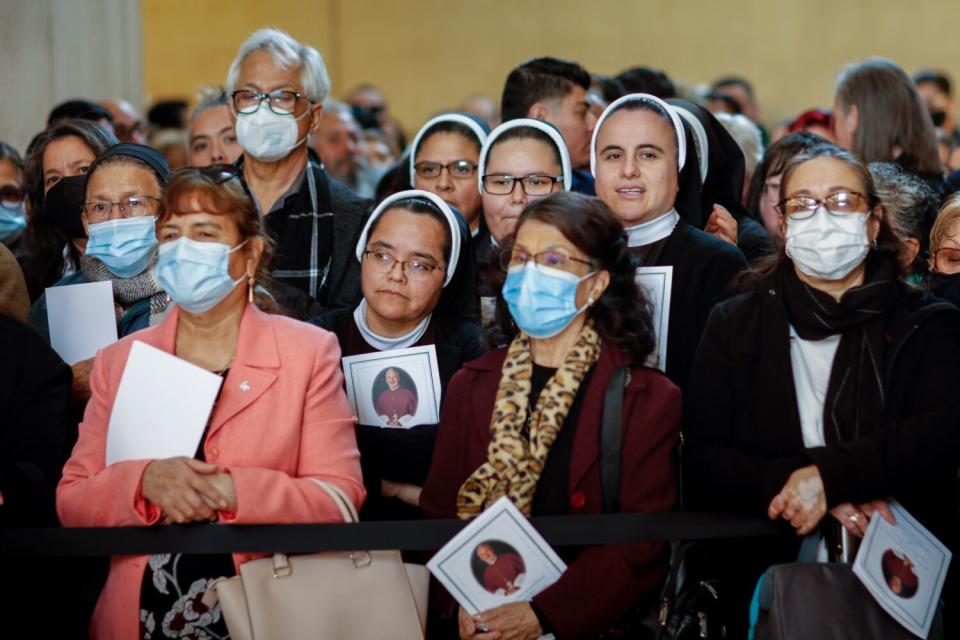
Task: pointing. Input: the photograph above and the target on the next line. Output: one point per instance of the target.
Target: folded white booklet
(81, 319)
(162, 407)
(496, 559)
(395, 389)
(903, 566)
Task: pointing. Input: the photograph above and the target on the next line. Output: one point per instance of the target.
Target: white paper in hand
(81, 319)
(903, 566)
(496, 559)
(162, 407)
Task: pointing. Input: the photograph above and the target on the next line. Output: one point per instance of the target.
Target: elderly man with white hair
(277, 87)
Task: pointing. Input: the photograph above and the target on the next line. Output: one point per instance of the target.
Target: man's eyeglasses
(552, 258)
(11, 197)
(532, 185)
(839, 203)
(281, 102)
(460, 169)
(131, 207)
(382, 262)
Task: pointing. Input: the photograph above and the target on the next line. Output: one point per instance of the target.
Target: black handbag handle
(610, 434)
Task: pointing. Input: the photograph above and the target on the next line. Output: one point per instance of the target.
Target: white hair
(747, 135)
(287, 53)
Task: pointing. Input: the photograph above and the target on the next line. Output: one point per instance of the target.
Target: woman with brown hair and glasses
(281, 419)
(944, 278)
(827, 388)
(524, 421)
(418, 281)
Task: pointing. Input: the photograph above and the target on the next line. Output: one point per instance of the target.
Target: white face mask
(826, 246)
(268, 136)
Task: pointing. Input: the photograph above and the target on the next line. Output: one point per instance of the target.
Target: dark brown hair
(891, 114)
(623, 314)
(887, 241)
(777, 156)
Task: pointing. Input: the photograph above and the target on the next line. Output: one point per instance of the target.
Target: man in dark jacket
(277, 90)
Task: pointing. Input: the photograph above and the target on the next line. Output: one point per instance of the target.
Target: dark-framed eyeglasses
(838, 203)
(132, 207)
(215, 173)
(11, 197)
(553, 258)
(281, 102)
(382, 262)
(534, 184)
(458, 169)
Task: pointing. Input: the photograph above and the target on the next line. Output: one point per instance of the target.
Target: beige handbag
(337, 595)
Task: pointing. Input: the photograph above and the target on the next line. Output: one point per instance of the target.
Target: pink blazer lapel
(254, 369)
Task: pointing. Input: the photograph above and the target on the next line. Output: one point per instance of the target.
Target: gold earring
(250, 285)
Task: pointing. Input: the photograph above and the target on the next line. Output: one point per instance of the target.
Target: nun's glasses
(533, 184)
(460, 169)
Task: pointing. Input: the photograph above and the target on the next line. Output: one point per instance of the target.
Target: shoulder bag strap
(610, 434)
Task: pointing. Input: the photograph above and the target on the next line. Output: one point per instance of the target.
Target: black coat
(743, 437)
(702, 269)
(36, 430)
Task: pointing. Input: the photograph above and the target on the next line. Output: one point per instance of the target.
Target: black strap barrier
(408, 535)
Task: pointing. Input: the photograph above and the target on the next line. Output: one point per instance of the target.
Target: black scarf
(855, 394)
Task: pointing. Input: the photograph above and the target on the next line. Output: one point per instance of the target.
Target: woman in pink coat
(281, 418)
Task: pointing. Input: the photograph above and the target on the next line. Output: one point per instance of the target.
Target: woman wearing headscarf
(721, 164)
(444, 157)
(280, 422)
(639, 150)
(523, 160)
(524, 421)
(417, 277)
(828, 387)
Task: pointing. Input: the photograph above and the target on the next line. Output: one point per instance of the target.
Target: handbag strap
(341, 499)
(610, 438)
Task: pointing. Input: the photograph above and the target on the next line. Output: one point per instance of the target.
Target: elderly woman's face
(517, 158)
(535, 237)
(636, 173)
(65, 157)
(119, 182)
(212, 138)
(946, 257)
(456, 187)
(410, 292)
(193, 220)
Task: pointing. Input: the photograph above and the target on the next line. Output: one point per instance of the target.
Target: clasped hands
(803, 503)
(188, 490)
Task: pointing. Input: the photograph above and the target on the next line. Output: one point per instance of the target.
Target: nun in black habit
(395, 461)
(638, 164)
(721, 168)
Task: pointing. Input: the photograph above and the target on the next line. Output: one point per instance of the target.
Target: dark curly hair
(623, 315)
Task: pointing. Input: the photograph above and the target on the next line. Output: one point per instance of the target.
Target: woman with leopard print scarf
(524, 421)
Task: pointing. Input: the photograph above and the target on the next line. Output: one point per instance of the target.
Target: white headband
(649, 99)
(446, 117)
(426, 195)
(532, 123)
(699, 137)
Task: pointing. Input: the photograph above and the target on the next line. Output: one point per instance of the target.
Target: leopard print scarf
(515, 460)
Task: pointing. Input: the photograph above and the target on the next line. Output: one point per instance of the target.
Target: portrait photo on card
(657, 285)
(496, 563)
(395, 389)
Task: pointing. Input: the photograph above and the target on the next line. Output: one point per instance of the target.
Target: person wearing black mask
(944, 278)
(639, 158)
(313, 219)
(827, 388)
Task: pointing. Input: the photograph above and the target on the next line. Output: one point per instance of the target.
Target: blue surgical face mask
(12, 221)
(542, 300)
(126, 246)
(196, 274)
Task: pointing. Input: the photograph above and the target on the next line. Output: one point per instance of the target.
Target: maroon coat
(604, 581)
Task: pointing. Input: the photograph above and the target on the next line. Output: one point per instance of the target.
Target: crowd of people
(801, 364)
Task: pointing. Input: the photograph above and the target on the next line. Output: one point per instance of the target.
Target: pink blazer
(282, 418)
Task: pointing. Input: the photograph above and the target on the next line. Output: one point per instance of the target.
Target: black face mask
(63, 205)
(938, 117)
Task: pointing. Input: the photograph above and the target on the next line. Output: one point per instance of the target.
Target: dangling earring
(250, 286)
